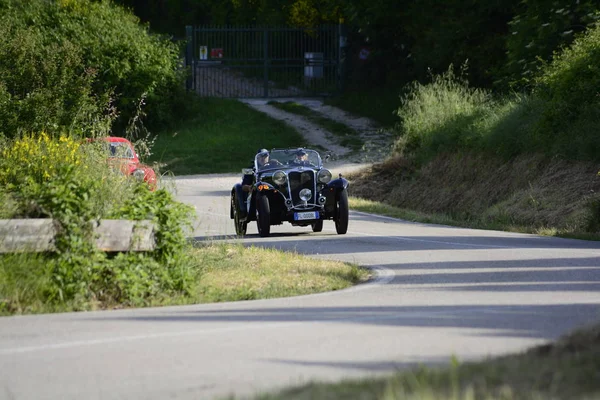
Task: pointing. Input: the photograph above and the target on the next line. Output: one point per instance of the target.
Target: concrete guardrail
(37, 235)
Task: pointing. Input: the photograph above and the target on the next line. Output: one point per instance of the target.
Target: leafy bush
(569, 88)
(90, 52)
(173, 220)
(537, 32)
(46, 86)
(58, 178)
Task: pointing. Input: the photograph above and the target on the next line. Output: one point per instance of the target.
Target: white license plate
(300, 216)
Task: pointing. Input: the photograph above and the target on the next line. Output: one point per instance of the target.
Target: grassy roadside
(528, 194)
(347, 136)
(379, 208)
(565, 369)
(234, 272)
(222, 272)
(223, 136)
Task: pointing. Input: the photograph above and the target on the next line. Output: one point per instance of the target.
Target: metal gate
(243, 62)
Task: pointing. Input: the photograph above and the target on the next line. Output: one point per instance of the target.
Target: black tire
(240, 226)
(317, 226)
(263, 216)
(341, 219)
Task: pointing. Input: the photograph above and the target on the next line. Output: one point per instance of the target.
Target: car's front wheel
(263, 216)
(240, 226)
(317, 226)
(341, 220)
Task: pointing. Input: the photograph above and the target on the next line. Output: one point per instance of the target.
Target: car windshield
(120, 150)
(288, 158)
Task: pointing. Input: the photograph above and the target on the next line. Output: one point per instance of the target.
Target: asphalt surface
(437, 292)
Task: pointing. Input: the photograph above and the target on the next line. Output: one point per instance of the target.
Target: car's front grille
(301, 180)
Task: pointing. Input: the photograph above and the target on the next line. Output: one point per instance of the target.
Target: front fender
(337, 185)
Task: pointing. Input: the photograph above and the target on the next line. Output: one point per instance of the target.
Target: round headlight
(139, 174)
(279, 177)
(305, 194)
(324, 176)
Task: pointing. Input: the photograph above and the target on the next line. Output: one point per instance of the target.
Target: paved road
(439, 291)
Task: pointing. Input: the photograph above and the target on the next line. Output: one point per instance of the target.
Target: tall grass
(447, 115)
(24, 280)
(444, 115)
(558, 118)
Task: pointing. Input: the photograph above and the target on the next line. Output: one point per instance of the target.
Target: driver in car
(263, 161)
(301, 158)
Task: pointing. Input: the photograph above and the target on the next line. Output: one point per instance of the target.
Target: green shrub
(58, 178)
(173, 220)
(65, 58)
(45, 86)
(540, 29)
(569, 88)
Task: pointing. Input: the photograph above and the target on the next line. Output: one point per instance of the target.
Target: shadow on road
(371, 366)
(504, 275)
(331, 243)
(530, 321)
(564, 275)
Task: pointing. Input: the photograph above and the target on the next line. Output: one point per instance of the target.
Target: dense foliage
(568, 89)
(78, 65)
(45, 85)
(502, 40)
(559, 118)
(537, 31)
(72, 69)
(59, 178)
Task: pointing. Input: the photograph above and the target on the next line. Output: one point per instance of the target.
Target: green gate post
(189, 54)
(266, 62)
(342, 37)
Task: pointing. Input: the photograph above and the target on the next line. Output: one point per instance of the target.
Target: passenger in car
(301, 158)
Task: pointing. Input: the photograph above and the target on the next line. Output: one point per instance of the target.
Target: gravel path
(377, 142)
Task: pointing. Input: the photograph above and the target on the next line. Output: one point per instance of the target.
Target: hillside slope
(528, 193)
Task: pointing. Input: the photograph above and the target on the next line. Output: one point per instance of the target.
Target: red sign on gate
(216, 53)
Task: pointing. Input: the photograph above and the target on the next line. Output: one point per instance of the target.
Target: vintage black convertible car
(291, 186)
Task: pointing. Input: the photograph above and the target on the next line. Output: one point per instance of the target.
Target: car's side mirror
(247, 171)
(327, 156)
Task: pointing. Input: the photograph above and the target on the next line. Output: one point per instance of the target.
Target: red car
(122, 154)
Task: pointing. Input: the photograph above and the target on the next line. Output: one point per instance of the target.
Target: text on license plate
(306, 215)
